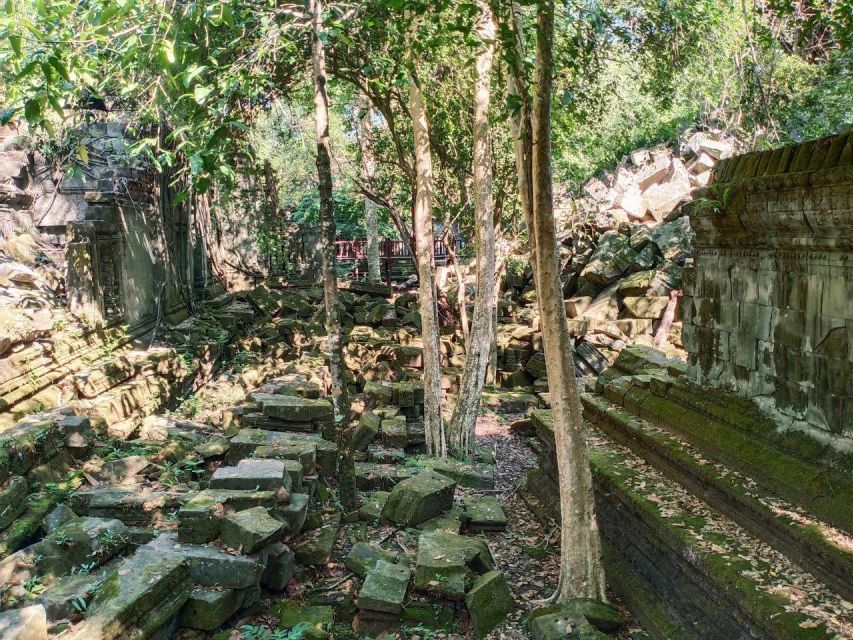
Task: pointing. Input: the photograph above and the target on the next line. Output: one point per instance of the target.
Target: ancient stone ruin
(188, 488)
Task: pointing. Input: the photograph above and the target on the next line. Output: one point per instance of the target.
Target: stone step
(685, 569)
(822, 491)
(711, 578)
(826, 551)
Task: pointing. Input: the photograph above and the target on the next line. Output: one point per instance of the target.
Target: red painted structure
(390, 251)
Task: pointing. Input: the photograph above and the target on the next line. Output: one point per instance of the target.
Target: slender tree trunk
(581, 571)
(340, 398)
(479, 342)
(368, 170)
(436, 441)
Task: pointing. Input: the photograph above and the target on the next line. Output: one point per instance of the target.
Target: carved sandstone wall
(768, 302)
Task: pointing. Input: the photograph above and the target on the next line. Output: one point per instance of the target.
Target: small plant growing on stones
(33, 587)
(84, 569)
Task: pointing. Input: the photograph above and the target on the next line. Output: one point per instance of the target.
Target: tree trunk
(368, 170)
(340, 399)
(436, 441)
(480, 339)
(581, 572)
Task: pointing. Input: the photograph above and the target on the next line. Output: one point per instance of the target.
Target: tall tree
(422, 222)
(581, 571)
(480, 338)
(340, 398)
(366, 143)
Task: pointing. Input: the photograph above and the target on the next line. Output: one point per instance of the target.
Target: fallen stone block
(484, 514)
(508, 401)
(60, 600)
(29, 623)
(200, 519)
(122, 469)
(394, 432)
(447, 564)
(473, 475)
(363, 557)
(137, 599)
(280, 566)
(319, 619)
(206, 609)
(31, 442)
(371, 510)
(295, 408)
(13, 500)
(489, 602)
(79, 542)
(646, 307)
(384, 477)
(251, 529)
(134, 507)
(600, 615)
(316, 548)
(60, 515)
(252, 474)
(295, 512)
(419, 498)
(450, 521)
(367, 430)
(260, 443)
(384, 588)
(209, 565)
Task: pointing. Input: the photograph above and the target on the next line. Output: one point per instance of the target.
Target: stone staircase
(715, 524)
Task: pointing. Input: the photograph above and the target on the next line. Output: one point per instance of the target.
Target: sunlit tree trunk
(581, 571)
(340, 399)
(368, 170)
(479, 341)
(436, 441)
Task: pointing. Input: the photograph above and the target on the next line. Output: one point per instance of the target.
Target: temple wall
(768, 301)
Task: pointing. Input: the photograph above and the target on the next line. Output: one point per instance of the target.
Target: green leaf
(6, 116)
(200, 93)
(180, 197)
(16, 41)
(83, 153)
(32, 111)
(196, 164)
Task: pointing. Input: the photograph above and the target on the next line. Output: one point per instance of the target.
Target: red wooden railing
(389, 252)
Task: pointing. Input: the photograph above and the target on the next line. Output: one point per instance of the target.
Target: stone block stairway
(715, 523)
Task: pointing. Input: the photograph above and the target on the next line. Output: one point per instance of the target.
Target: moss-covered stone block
(489, 602)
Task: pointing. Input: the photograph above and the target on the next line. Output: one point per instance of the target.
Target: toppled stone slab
(122, 470)
(316, 549)
(210, 566)
(450, 521)
(280, 566)
(484, 514)
(29, 623)
(370, 476)
(295, 408)
(295, 512)
(371, 510)
(366, 431)
(447, 564)
(582, 618)
(206, 609)
(508, 401)
(200, 518)
(251, 529)
(600, 615)
(489, 602)
(363, 557)
(384, 588)
(138, 598)
(260, 443)
(319, 619)
(419, 498)
(252, 474)
(13, 500)
(473, 475)
(81, 541)
(134, 507)
(60, 599)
